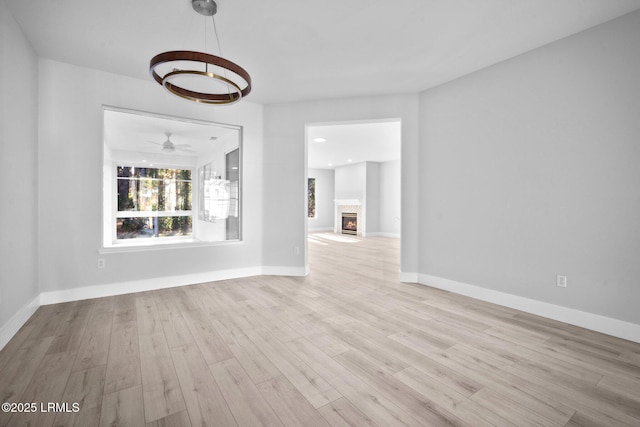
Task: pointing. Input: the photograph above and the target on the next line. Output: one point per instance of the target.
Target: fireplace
(349, 223)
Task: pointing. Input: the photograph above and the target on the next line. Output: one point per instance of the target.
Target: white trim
(285, 271)
(319, 229)
(595, 322)
(13, 325)
(408, 277)
(121, 288)
(162, 245)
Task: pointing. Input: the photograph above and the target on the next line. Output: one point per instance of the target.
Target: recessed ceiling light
(144, 161)
(319, 139)
(349, 160)
(330, 164)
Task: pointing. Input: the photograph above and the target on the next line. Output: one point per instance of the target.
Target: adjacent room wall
(351, 182)
(530, 169)
(325, 207)
(372, 198)
(70, 180)
(390, 198)
(18, 176)
(362, 182)
(285, 159)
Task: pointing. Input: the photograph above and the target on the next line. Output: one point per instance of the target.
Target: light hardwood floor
(346, 346)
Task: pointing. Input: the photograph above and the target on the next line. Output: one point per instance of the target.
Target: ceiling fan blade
(156, 143)
(181, 145)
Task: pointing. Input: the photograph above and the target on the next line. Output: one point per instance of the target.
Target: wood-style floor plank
(70, 331)
(315, 388)
(47, 385)
(348, 345)
(123, 363)
(341, 413)
(123, 408)
(361, 395)
(290, 405)
(253, 360)
(84, 388)
(162, 394)
(19, 371)
(245, 401)
(201, 394)
(94, 347)
(421, 407)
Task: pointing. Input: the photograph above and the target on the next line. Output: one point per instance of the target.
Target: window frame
(109, 243)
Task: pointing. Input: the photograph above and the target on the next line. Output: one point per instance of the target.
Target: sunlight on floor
(318, 237)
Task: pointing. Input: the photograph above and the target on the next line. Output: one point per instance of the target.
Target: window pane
(312, 198)
(156, 191)
(164, 226)
(174, 195)
(174, 226)
(153, 189)
(137, 194)
(134, 228)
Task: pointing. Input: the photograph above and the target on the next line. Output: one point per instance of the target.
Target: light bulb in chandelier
(198, 76)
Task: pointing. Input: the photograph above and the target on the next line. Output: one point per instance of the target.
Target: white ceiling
(350, 143)
(303, 50)
(142, 132)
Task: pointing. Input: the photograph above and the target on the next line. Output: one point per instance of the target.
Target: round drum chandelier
(201, 77)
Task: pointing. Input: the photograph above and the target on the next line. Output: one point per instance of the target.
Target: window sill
(160, 246)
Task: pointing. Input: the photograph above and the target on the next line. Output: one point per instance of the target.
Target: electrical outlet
(296, 250)
(561, 281)
(101, 263)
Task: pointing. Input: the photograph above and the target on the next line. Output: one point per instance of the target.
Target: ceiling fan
(169, 147)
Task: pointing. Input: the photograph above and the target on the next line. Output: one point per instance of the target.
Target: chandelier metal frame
(234, 92)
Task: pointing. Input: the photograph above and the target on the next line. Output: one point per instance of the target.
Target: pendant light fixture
(198, 76)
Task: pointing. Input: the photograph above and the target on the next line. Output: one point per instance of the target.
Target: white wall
(372, 198)
(351, 181)
(530, 168)
(70, 179)
(325, 207)
(285, 160)
(18, 175)
(390, 198)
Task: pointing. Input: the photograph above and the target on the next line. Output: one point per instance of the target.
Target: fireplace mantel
(353, 206)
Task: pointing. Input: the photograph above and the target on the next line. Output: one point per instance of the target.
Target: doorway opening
(355, 168)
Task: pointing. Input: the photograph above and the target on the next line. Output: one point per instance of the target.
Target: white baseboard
(595, 322)
(121, 288)
(407, 277)
(319, 229)
(13, 325)
(285, 271)
(9, 329)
